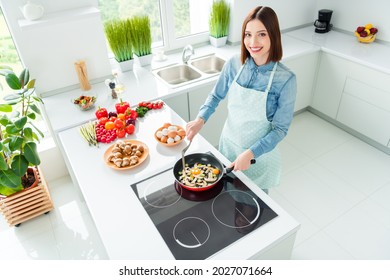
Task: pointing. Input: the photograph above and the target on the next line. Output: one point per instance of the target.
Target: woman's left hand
(243, 161)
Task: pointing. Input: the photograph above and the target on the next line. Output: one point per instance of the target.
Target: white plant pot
(143, 60)
(126, 65)
(218, 42)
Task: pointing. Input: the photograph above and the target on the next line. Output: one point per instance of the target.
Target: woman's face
(257, 41)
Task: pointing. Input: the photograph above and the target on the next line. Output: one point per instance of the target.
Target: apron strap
(271, 77)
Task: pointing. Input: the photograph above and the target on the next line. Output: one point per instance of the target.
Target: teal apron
(246, 123)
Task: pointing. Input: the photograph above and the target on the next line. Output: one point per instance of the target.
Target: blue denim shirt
(280, 101)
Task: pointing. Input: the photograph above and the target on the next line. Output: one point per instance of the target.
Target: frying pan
(201, 158)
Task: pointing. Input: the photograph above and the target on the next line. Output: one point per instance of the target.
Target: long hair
(270, 20)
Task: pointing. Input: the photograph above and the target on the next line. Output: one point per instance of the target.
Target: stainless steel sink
(210, 64)
(178, 74)
(198, 69)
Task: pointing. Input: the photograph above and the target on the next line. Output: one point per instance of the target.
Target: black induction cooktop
(196, 225)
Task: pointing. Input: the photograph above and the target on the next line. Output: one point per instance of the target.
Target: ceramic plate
(140, 160)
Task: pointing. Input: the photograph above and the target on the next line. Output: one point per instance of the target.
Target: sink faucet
(186, 54)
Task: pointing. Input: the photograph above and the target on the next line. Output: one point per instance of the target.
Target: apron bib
(246, 123)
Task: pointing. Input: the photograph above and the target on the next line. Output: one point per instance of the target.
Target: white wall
(50, 49)
(349, 14)
(290, 14)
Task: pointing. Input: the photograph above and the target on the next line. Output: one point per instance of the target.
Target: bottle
(119, 87)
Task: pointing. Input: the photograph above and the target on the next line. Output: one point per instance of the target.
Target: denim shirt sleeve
(220, 89)
(280, 111)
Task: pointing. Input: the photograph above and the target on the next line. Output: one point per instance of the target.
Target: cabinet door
(365, 103)
(213, 127)
(330, 82)
(305, 69)
(179, 104)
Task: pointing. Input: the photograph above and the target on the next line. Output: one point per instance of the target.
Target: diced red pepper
(121, 106)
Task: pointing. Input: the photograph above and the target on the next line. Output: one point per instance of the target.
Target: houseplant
(142, 39)
(219, 23)
(119, 37)
(19, 158)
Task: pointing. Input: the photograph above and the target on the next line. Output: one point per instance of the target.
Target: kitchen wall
(290, 14)
(51, 46)
(348, 14)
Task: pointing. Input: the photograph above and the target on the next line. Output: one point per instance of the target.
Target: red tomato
(112, 119)
(130, 129)
(103, 120)
(118, 123)
(120, 133)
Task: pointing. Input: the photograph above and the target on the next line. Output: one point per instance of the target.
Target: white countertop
(124, 226)
(374, 55)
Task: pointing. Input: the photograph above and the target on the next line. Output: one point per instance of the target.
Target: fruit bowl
(366, 33)
(367, 39)
(170, 134)
(84, 102)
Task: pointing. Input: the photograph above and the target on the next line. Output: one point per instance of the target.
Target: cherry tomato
(118, 123)
(112, 119)
(120, 133)
(109, 125)
(121, 116)
(103, 120)
(130, 129)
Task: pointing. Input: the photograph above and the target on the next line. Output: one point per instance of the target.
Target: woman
(261, 95)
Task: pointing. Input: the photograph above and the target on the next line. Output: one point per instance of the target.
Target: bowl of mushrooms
(126, 154)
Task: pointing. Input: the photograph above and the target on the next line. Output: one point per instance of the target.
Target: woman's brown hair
(270, 20)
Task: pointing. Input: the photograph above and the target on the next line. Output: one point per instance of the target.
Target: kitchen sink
(210, 64)
(178, 74)
(198, 69)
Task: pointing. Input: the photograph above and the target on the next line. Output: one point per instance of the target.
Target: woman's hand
(243, 161)
(193, 127)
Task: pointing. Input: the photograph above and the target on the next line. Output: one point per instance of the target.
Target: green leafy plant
(18, 134)
(142, 36)
(119, 35)
(219, 19)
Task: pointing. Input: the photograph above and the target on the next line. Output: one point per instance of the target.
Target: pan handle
(230, 169)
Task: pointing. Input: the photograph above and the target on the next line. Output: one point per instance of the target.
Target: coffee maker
(323, 24)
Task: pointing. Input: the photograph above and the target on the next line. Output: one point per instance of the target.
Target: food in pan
(199, 175)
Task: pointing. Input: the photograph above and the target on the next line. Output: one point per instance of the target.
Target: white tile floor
(335, 185)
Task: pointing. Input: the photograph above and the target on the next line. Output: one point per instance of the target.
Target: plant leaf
(37, 129)
(31, 84)
(20, 123)
(24, 77)
(35, 109)
(3, 163)
(31, 115)
(12, 97)
(13, 81)
(28, 133)
(4, 120)
(5, 108)
(9, 179)
(11, 129)
(16, 143)
(19, 165)
(31, 153)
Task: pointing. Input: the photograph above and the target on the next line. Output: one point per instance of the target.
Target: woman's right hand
(193, 127)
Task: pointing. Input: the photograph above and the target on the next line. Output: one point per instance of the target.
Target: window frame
(170, 42)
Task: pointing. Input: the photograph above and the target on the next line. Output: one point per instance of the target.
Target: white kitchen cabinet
(213, 127)
(305, 69)
(354, 95)
(365, 103)
(330, 82)
(179, 103)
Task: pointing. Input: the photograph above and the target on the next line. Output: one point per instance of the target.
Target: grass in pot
(142, 38)
(119, 34)
(219, 22)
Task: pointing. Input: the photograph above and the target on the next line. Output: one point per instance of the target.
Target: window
(8, 54)
(174, 23)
